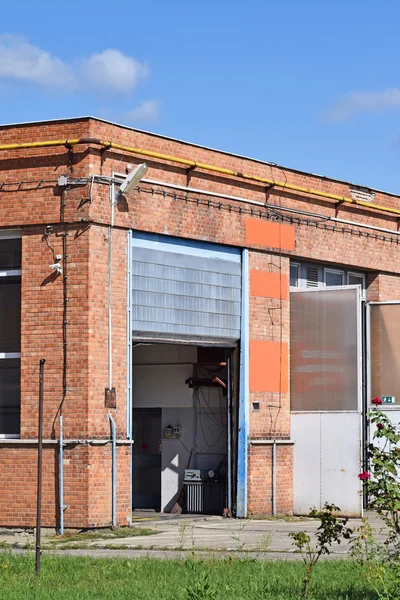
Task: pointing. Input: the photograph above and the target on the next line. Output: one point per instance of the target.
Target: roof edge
(193, 144)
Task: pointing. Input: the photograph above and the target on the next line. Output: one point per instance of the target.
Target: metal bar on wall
(229, 428)
(40, 467)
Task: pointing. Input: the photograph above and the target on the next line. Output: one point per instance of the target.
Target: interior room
(182, 423)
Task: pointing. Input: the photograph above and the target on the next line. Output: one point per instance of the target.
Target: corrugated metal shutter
(182, 290)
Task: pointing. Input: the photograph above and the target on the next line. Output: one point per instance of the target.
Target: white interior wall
(175, 454)
(159, 374)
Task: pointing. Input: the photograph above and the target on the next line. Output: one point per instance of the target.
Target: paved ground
(174, 537)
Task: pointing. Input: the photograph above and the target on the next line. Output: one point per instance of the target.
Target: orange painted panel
(266, 233)
(269, 285)
(265, 366)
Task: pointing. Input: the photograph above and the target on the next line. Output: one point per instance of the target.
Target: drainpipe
(110, 347)
(114, 469)
(274, 478)
(61, 476)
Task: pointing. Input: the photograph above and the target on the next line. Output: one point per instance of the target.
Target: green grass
(84, 578)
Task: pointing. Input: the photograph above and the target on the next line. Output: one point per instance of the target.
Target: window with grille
(10, 336)
(313, 275)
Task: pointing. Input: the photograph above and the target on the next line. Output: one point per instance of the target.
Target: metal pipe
(40, 467)
(229, 426)
(294, 211)
(129, 369)
(274, 478)
(110, 378)
(113, 469)
(131, 479)
(203, 166)
(61, 477)
(230, 197)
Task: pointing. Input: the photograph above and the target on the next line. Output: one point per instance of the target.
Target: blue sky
(311, 84)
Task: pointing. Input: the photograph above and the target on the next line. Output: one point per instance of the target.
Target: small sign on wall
(388, 399)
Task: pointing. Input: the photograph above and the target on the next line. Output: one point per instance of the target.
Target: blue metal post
(241, 509)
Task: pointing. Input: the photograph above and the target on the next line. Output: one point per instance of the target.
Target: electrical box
(192, 475)
(168, 431)
(177, 431)
(110, 398)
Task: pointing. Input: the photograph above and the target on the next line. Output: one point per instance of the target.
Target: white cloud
(148, 111)
(21, 61)
(107, 71)
(357, 102)
(111, 70)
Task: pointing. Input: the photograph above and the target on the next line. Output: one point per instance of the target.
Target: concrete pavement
(173, 537)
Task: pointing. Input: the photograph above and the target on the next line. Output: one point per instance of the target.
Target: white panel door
(307, 460)
(341, 451)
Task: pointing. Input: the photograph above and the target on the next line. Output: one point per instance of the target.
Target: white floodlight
(131, 180)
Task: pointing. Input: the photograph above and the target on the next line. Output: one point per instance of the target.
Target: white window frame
(363, 285)
(335, 272)
(298, 265)
(322, 270)
(10, 235)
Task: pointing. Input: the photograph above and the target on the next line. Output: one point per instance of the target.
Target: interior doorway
(146, 485)
(184, 427)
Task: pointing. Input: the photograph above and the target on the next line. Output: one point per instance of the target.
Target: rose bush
(383, 486)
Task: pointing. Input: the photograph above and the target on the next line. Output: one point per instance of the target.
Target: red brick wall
(32, 206)
(99, 501)
(18, 485)
(260, 498)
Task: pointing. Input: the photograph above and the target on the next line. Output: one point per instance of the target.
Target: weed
(265, 542)
(330, 530)
(237, 534)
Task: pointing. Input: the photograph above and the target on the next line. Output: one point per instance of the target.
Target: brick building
(219, 314)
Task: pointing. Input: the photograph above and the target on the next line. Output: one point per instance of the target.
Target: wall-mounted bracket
(189, 173)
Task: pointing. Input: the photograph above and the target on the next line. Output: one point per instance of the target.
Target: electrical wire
(186, 448)
(271, 213)
(318, 221)
(65, 235)
(199, 419)
(24, 182)
(210, 414)
(205, 437)
(274, 420)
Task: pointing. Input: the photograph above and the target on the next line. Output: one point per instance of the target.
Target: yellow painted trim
(206, 167)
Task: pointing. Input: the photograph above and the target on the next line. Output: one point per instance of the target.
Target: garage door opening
(184, 417)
